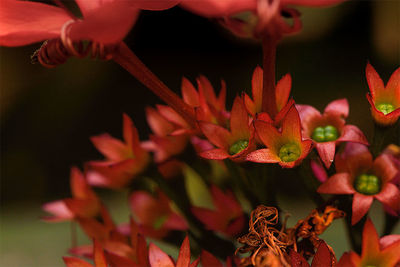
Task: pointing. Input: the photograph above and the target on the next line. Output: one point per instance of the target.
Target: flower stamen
(385, 108)
(289, 152)
(325, 134)
(367, 184)
(238, 147)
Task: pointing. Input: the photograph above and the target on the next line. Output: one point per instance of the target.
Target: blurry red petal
(159, 258)
(257, 88)
(212, 8)
(156, 4)
(263, 156)
(87, 7)
(307, 114)
(131, 135)
(347, 260)
(215, 154)
(158, 124)
(184, 254)
(312, 3)
(383, 167)
(323, 257)
(319, 171)
(110, 147)
(394, 85)
(216, 134)
(388, 240)
(75, 262)
(207, 89)
(326, 151)
(189, 93)
(59, 210)
(25, 22)
(338, 107)
(99, 258)
(250, 106)
(175, 222)
(172, 116)
(370, 240)
(282, 91)
(207, 259)
(236, 226)
(297, 260)
(107, 24)
(390, 196)
(337, 184)
(360, 206)
(374, 81)
(83, 207)
(239, 121)
(263, 116)
(147, 208)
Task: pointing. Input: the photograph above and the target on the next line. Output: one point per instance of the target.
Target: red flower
(282, 93)
(83, 204)
(285, 147)
(265, 15)
(123, 160)
(227, 217)
(328, 129)
(382, 252)
(207, 259)
(104, 22)
(365, 179)
(234, 144)
(98, 258)
(159, 258)
(324, 257)
(384, 101)
(155, 215)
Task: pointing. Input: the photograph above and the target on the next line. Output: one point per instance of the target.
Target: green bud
(238, 147)
(325, 134)
(385, 108)
(289, 152)
(367, 184)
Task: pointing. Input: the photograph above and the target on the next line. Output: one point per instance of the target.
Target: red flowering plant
(234, 176)
(327, 130)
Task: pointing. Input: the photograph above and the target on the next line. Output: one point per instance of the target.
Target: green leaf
(197, 189)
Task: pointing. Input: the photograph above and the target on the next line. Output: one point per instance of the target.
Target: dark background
(48, 115)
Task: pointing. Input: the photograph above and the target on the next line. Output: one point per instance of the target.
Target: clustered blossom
(245, 140)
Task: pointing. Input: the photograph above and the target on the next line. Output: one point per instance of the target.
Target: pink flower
(364, 178)
(124, 160)
(327, 130)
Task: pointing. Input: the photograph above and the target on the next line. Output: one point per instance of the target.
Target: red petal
(206, 87)
(212, 8)
(323, 257)
(370, 240)
(75, 262)
(147, 208)
(282, 91)
(189, 93)
(216, 134)
(351, 133)
(347, 260)
(158, 124)
(159, 258)
(82, 207)
(156, 4)
(79, 186)
(184, 254)
(291, 128)
(269, 135)
(308, 115)
(110, 147)
(390, 196)
(60, 211)
(99, 258)
(207, 259)
(319, 171)
(297, 260)
(239, 120)
(384, 167)
(337, 184)
(338, 107)
(263, 156)
(257, 88)
(25, 22)
(216, 154)
(360, 207)
(250, 105)
(393, 85)
(131, 135)
(107, 24)
(326, 151)
(282, 113)
(87, 7)
(388, 240)
(175, 222)
(375, 82)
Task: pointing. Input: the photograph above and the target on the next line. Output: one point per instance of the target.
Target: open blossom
(159, 258)
(154, 214)
(282, 93)
(364, 178)
(123, 160)
(383, 252)
(329, 129)
(285, 147)
(252, 17)
(384, 100)
(233, 144)
(83, 204)
(226, 217)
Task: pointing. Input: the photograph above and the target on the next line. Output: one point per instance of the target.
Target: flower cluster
(207, 167)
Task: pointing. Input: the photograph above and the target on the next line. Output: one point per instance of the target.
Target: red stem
(269, 43)
(129, 61)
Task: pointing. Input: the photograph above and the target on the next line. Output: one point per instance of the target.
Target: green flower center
(238, 147)
(325, 134)
(289, 152)
(367, 184)
(385, 108)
